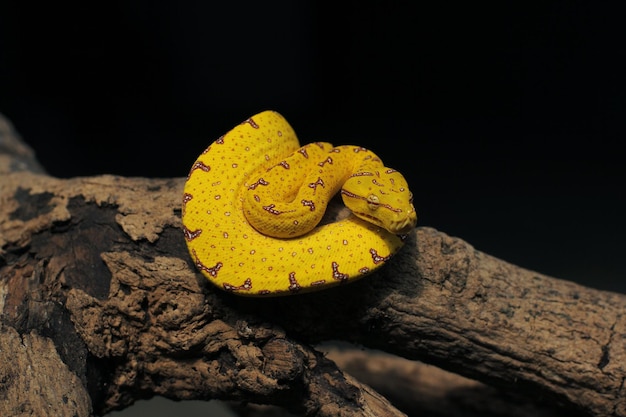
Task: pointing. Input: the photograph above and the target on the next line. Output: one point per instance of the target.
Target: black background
(507, 118)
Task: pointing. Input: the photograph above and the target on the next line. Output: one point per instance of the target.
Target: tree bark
(100, 305)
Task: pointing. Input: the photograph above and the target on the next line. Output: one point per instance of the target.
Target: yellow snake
(253, 199)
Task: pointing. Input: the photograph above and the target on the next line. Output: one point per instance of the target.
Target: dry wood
(98, 297)
(420, 389)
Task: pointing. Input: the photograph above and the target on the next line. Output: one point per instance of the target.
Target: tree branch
(447, 304)
(420, 389)
(96, 270)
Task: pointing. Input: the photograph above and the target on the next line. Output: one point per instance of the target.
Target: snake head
(381, 197)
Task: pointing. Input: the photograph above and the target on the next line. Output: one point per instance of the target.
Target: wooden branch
(95, 270)
(447, 304)
(420, 389)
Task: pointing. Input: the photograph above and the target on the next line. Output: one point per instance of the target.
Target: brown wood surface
(100, 305)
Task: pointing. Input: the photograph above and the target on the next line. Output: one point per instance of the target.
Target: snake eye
(372, 201)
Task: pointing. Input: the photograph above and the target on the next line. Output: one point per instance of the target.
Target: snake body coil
(253, 199)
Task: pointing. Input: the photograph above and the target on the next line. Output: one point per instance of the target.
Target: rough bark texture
(100, 303)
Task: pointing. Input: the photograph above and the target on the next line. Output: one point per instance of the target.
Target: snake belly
(236, 257)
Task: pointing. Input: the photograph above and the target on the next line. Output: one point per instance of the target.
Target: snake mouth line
(371, 219)
(400, 227)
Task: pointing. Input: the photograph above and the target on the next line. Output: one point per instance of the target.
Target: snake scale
(254, 197)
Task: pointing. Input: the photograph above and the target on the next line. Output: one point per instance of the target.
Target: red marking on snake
(272, 210)
(390, 171)
(198, 165)
(191, 235)
(359, 149)
(316, 183)
(220, 140)
(364, 270)
(293, 284)
(320, 144)
(303, 152)
(320, 282)
(246, 286)
(186, 198)
(251, 122)
(284, 164)
(377, 183)
(377, 258)
(308, 203)
(351, 195)
(339, 276)
(362, 174)
(328, 160)
(209, 270)
(261, 181)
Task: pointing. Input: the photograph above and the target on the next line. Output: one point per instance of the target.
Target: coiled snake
(254, 197)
